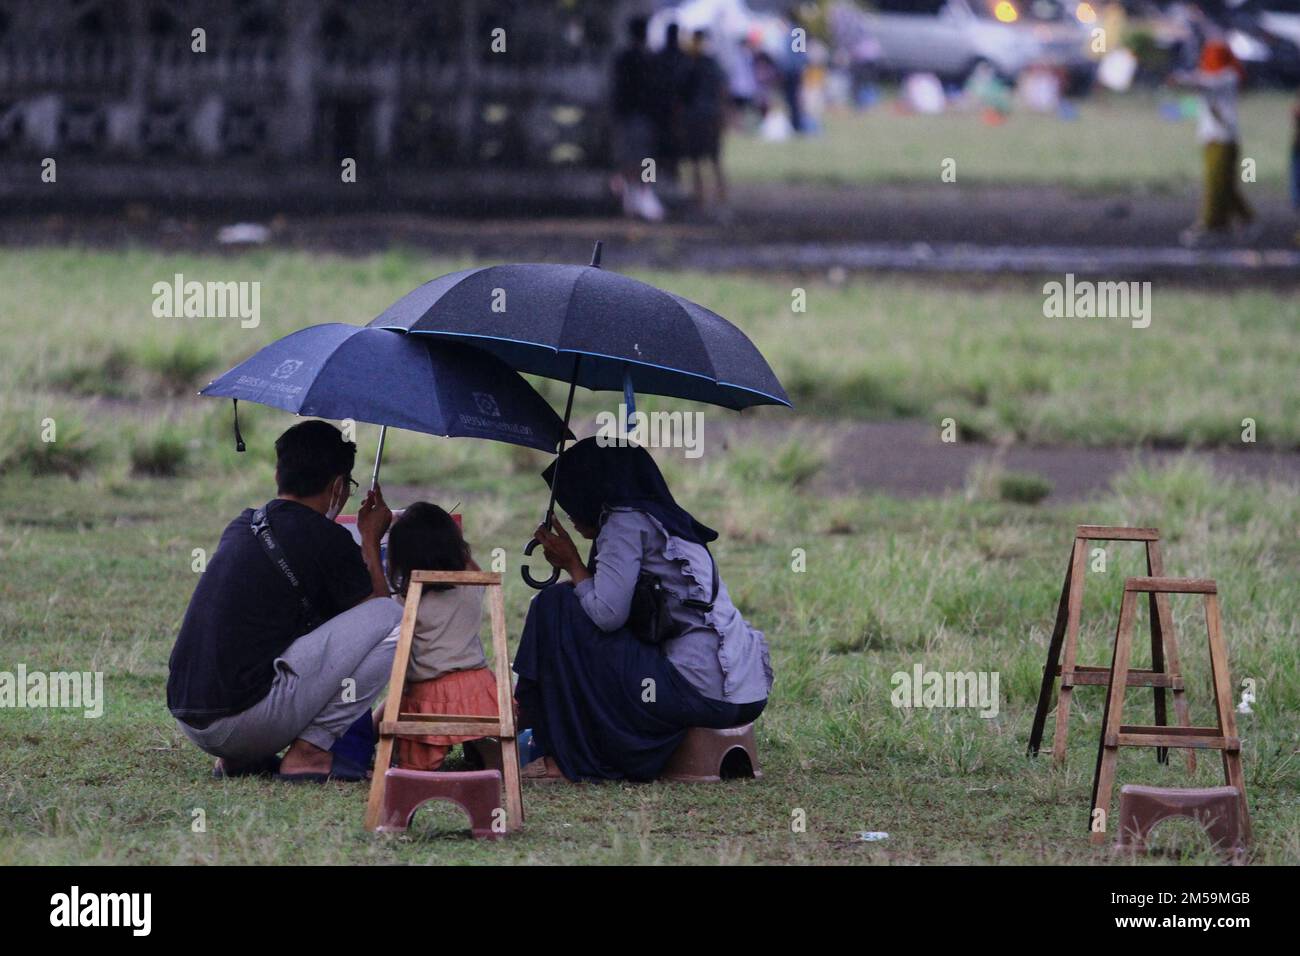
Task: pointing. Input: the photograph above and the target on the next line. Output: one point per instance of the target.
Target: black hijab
(595, 478)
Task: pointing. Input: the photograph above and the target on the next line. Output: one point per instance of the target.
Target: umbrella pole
(568, 412)
(379, 454)
(531, 581)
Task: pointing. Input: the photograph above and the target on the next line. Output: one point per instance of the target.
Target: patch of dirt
(767, 227)
(907, 459)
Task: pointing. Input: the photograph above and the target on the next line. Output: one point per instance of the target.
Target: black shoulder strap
(716, 577)
(261, 528)
(701, 605)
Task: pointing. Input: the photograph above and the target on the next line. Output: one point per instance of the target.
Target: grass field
(1093, 152)
(95, 571)
(876, 348)
(97, 574)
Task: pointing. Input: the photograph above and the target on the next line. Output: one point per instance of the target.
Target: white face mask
(336, 504)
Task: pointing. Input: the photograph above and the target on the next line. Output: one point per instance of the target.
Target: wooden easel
(418, 725)
(1115, 734)
(1164, 673)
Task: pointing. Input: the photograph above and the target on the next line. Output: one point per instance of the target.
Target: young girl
(448, 672)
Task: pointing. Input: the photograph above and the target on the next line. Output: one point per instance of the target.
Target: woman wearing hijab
(602, 703)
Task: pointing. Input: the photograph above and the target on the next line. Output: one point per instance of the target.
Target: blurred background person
(705, 116)
(737, 59)
(672, 68)
(635, 104)
(857, 51)
(792, 62)
(1217, 80)
(767, 84)
(1295, 160)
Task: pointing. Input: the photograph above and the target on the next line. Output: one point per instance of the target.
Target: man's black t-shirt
(244, 613)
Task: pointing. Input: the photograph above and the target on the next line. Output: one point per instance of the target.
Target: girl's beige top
(447, 633)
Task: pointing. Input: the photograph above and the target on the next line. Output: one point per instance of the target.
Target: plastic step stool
(1217, 809)
(707, 756)
(477, 792)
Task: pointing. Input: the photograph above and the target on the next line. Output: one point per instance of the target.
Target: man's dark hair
(309, 456)
(672, 36)
(424, 538)
(637, 27)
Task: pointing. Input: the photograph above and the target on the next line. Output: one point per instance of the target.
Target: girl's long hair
(424, 538)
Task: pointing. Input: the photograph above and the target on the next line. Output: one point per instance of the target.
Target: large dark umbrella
(589, 327)
(374, 375)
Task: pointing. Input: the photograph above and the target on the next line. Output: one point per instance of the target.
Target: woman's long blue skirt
(605, 706)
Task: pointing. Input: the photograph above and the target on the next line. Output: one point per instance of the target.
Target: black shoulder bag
(648, 618)
(261, 528)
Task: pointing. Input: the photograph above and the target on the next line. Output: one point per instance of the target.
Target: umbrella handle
(531, 581)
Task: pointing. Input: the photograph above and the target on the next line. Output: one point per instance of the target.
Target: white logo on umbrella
(286, 368)
(487, 404)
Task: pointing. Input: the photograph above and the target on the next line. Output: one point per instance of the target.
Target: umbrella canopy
(589, 327)
(599, 329)
(340, 371)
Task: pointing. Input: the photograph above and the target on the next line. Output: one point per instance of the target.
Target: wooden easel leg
(1158, 665)
(514, 788)
(1103, 779)
(379, 782)
(1049, 669)
(393, 703)
(1074, 605)
(1235, 778)
(1223, 704)
(1163, 622)
(506, 714)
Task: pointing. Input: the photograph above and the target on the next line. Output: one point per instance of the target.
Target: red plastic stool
(1217, 809)
(707, 756)
(477, 792)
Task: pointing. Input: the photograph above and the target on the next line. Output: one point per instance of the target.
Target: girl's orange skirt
(466, 693)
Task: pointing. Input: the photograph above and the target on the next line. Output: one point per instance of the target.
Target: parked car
(1265, 36)
(1279, 17)
(952, 38)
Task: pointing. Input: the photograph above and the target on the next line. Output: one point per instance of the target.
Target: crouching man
(289, 636)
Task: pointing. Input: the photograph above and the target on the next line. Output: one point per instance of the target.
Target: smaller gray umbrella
(386, 378)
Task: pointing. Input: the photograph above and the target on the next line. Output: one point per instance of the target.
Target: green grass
(1028, 489)
(52, 439)
(877, 348)
(989, 480)
(161, 452)
(96, 572)
(1094, 152)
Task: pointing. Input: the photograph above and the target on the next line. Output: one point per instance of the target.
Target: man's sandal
(225, 769)
(342, 770)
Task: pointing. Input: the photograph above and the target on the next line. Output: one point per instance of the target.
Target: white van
(953, 37)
